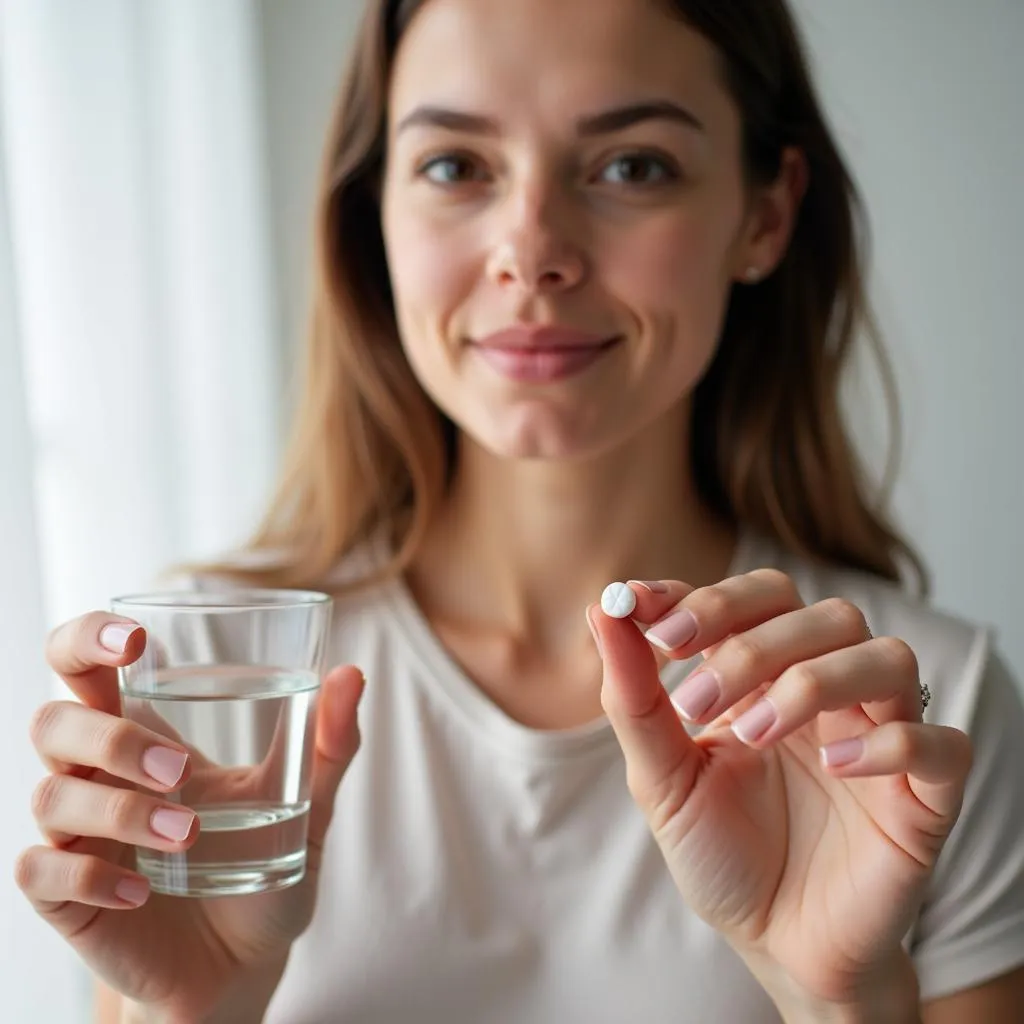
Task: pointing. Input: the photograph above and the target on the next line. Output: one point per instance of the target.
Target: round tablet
(618, 600)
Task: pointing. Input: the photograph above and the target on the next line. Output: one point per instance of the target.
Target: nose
(533, 254)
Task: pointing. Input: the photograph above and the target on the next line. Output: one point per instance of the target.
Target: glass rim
(238, 599)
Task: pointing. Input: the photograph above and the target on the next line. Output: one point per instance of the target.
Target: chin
(546, 438)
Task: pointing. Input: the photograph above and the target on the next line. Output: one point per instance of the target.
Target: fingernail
(114, 636)
(593, 631)
(654, 586)
(755, 722)
(842, 752)
(173, 825)
(697, 694)
(164, 765)
(674, 630)
(132, 890)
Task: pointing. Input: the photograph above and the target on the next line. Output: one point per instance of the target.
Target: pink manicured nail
(674, 630)
(164, 765)
(654, 586)
(842, 752)
(697, 695)
(114, 636)
(132, 890)
(173, 825)
(755, 722)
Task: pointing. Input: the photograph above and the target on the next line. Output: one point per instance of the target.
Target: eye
(451, 169)
(639, 169)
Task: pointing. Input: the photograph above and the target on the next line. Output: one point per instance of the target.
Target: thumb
(662, 761)
(337, 740)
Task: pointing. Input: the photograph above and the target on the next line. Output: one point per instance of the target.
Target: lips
(542, 354)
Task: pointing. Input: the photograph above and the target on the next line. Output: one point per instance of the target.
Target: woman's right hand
(179, 956)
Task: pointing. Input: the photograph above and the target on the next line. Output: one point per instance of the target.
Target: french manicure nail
(164, 765)
(114, 636)
(132, 890)
(654, 586)
(674, 630)
(842, 752)
(171, 824)
(755, 722)
(697, 694)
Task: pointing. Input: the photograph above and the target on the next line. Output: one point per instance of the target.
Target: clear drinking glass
(235, 677)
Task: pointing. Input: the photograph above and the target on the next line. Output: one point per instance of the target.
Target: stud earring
(752, 275)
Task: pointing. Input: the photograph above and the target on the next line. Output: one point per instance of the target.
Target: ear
(771, 218)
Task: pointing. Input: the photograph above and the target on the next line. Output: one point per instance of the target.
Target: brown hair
(370, 451)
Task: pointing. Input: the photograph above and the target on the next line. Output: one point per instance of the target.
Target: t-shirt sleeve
(971, 926)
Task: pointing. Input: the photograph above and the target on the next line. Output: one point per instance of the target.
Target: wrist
(888, 995)
(247, 1000)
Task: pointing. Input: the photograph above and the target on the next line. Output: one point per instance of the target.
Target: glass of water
(234, 676)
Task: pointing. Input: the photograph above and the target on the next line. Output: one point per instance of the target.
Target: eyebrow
(614, 120)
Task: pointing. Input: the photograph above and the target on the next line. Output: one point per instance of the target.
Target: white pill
(618, 600)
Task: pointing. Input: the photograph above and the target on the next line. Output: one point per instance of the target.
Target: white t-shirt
(482, 872)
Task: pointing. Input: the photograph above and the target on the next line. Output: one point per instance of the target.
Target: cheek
(667, 267)
(431, 268)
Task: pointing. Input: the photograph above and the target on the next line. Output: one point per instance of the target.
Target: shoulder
(952, 651)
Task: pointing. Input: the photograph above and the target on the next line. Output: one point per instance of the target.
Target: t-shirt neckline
(445, 676)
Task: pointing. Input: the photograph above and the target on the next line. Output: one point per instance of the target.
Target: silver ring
(926, 696)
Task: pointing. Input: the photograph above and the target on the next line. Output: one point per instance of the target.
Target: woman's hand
(804, 821)
(179, 956)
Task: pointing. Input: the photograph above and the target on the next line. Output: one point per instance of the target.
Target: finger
(62, 886)
(66, 807)
(710, 614)
(656, 597)
(87, 651)
(935, 758)
(69, 736)
(761, 654)
(337, 740)
(662, 761)
(880, 677)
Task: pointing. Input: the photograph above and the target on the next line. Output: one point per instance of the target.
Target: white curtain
(140, 382)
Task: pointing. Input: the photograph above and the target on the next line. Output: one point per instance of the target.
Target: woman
(588, 277)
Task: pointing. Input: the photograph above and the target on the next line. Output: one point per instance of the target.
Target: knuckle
(710, 605)
(741, 654)
(778, 581)
(899, 654)
(82, 632)
(122, 809)
(847, 614)
(804, 683)
(114, 743)
(54, 640)
(904, 743)
(46, 798)
(43, 722)
(84, 876)
(66, 641)
(26, 868)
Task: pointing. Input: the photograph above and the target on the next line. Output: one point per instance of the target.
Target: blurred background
(157, 163)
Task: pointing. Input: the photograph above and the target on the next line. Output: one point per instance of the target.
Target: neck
(523, 546)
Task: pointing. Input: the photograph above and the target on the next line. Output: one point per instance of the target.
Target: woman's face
(572, 165)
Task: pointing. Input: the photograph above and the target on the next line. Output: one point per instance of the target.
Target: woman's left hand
(812, 871)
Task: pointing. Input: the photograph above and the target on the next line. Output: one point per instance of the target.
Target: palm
(820, 873)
